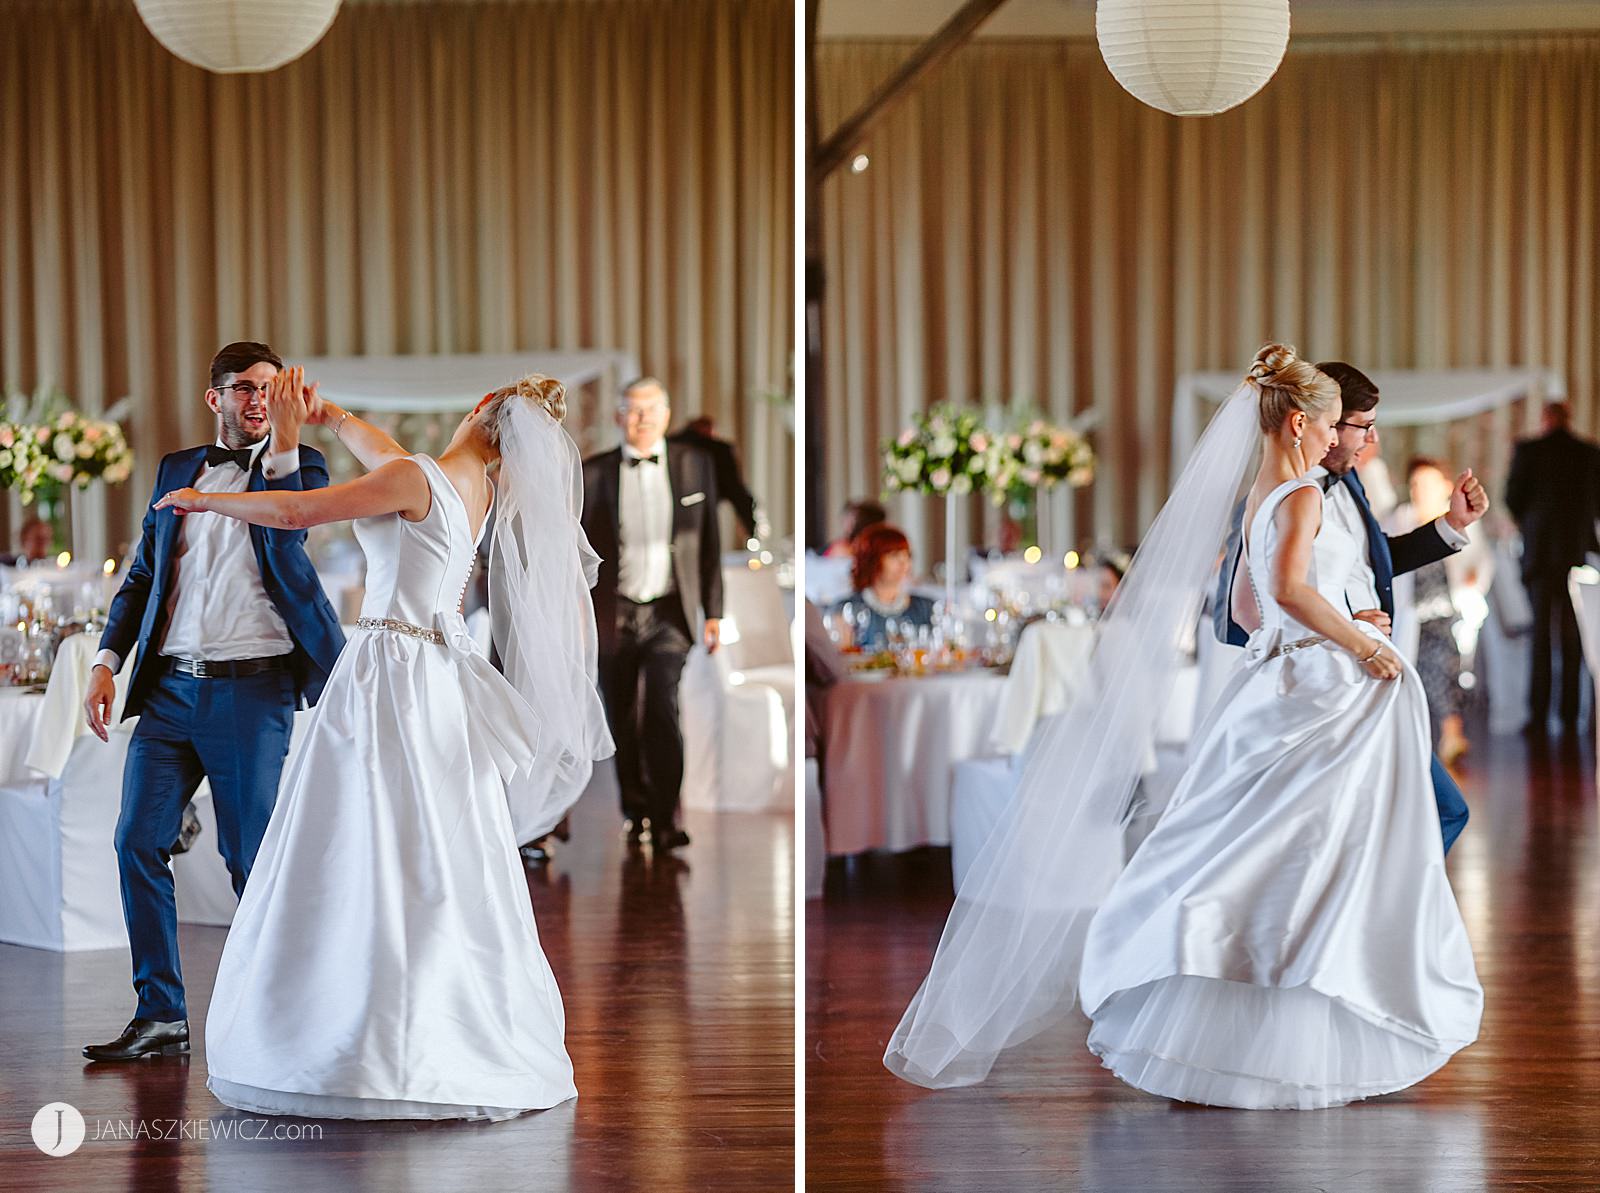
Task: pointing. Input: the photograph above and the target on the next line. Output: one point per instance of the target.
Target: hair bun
(1271, 363)
(547, 392)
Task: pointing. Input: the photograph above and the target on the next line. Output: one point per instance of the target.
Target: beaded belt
(1291, 647)
(401, 627)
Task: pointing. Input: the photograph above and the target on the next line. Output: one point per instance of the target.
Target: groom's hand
(1376, 617)
(1468, 502)
(97, 705)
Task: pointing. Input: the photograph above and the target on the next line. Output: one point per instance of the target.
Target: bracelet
(1373, 655)
(340, 423)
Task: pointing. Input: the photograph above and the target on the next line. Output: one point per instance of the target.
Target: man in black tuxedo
(650, 511)
(1554, 494)
(701, 433)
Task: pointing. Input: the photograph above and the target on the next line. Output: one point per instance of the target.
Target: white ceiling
(895, 19)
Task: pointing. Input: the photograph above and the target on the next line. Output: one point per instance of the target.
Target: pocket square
(692, 499)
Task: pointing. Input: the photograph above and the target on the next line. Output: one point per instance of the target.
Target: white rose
(61, 472)
(85, 450)
(944, 445)
(961, 486)
(65, 448)
(5, 457)
(939, 478)
(1033, 455)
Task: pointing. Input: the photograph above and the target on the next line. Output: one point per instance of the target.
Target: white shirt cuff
(109, 658)
(1452, 537)
(281, 464)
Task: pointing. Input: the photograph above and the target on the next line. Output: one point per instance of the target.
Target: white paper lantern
(238, 36)
(1192, 57)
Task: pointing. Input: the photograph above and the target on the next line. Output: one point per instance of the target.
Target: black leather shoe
(144, 1037)
(672, 838)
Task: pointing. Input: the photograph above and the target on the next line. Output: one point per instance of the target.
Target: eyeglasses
(245, 389)
(1368, 430)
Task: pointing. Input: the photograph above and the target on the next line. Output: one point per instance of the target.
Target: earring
(1297, 442)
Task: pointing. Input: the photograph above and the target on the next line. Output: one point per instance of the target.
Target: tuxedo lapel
(1377, 541)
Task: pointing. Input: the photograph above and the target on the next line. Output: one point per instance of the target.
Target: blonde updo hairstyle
(545, 392)
(1286, 384)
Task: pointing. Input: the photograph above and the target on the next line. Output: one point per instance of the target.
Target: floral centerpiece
(946, 451)
(1040, 455)
(22, 459)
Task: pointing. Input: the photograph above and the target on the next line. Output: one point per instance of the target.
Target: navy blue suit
(1389, 557)
(234, 732)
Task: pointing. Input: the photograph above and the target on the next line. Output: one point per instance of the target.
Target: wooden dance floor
(1520, 1108)
(678, 978)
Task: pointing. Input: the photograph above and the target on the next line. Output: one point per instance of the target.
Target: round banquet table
(19, 724)
(890, 748)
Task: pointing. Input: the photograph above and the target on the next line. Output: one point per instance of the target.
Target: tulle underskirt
(273, 1101)
(1221, 1043)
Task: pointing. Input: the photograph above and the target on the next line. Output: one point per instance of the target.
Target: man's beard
(236, 434)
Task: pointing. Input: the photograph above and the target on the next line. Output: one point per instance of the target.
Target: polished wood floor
(1518, 1109)
(678, 978)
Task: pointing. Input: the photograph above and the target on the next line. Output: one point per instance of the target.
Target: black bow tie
(1329, 480)
(243, 457)
(635, 461)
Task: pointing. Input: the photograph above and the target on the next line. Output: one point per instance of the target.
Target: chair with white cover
(737, 706)
(816, 844)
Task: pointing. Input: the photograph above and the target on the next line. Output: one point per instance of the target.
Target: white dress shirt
(644, 526)
(1339, 507)
(217, 609)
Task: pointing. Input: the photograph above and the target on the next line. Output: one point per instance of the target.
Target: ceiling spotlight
(859, 163)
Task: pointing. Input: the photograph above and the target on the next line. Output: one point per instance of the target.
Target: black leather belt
(229, 669)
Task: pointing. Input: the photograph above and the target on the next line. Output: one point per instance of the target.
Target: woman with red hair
(879, 575)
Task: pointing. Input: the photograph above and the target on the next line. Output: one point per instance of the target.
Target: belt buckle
(198, 669)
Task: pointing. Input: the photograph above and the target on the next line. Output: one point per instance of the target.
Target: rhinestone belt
(401, 627)
(1291, 647)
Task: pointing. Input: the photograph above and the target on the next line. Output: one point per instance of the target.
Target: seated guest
(37, 537)
(879, 575)
(858, 515)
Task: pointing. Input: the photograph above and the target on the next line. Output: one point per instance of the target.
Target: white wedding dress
(384, 962)
(1286, 937)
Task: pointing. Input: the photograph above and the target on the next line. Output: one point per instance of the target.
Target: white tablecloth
(20, 712)
(890, 750)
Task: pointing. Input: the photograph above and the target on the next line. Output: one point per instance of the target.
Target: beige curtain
(431, 178)
(1029, 233)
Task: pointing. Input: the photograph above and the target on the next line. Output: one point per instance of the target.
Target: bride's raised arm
(398, 487)
(367, 443)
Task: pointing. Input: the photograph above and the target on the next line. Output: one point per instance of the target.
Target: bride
(384, 962)
(1286, 936)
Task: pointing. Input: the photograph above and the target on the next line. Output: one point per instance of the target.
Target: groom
(233, 630)
(1370, 592)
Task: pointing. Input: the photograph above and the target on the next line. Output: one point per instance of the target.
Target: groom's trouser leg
(241, 732)
(1452, 805)
(161, 773)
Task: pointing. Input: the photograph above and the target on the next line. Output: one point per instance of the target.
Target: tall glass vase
(50, 506)
(950, 559)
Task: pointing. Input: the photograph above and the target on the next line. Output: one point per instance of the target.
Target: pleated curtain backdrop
(431, 178)
(1027, 233)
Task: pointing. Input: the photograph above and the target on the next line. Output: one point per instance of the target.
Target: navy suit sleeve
(710, 544)
(1422, 546)
(312, 474)
(126, 614)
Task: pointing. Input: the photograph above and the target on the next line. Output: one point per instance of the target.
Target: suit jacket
(138, 614)
(696, 547)
(1554, 494)
(730, 485)
(1390, 556)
